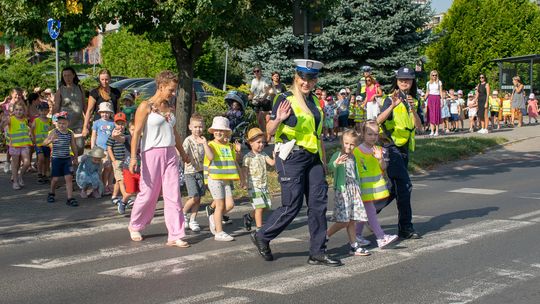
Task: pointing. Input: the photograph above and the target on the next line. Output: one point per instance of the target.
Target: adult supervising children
(154, 130)
(296, 123)
(399, 118)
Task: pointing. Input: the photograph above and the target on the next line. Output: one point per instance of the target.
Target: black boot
(262, 246)
(323, 259)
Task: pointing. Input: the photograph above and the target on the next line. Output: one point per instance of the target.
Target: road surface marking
(478, 191)
(201, 298)
(305, 277)
(525, 215)
(233, 300)
(182, 263)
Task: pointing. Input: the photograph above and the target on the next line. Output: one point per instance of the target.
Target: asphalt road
(480, 219)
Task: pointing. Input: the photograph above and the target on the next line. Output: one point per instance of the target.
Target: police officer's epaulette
(282, 96)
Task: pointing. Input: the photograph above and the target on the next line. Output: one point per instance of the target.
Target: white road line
(525, 215)
(304, 277)
(85, 258)
(233, 300)
(478, 191)
(182, 263)
(201, 298)
(530, 197)
(492, 280)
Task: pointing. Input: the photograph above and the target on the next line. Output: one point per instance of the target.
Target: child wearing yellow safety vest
(494, 104)
(359, 112)
(19, 140)
(220, 170)
(372, 183)
(40, 129)
(507, 109)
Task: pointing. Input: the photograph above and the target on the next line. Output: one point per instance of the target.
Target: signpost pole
(57, 72)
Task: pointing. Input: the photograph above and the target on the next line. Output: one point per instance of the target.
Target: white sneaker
(431, 134)
(361, 241)
(386, 240)
(223, 237)
(194, 226)
(211, 224)
(186, 220)
(7, 166)
(436, 134)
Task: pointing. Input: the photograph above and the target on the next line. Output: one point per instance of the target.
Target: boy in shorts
(254, 169)
(41, 126)
(196, 147)
(116, 149)
(131, 180)
(63, 144)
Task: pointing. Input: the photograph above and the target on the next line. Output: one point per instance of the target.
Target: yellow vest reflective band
(359, 114)
(401, 126)
(18, 132)
(494, 104)
(223, 166)
(41, 130)
(304, 132)
(372, 183)
(507, 107)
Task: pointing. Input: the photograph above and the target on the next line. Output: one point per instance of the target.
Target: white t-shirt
(258, 88)
(454, 106)
(433, 87)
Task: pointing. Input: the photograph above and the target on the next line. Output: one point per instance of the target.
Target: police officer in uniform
(296, 122)
(399, 118)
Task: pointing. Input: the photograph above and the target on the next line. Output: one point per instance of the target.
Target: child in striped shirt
(116, 149)
(62, 140)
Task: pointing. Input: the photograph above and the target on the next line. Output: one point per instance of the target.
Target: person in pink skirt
(158, 141)
(433, 96)
(532, 108)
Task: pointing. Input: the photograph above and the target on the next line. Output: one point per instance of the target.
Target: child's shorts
(18, 150)
(329, 122)
(454, 117)
(494, 114)
(195, 184)
(260, 198)
(131, 181)
(117, 170)
(61, 167)
(46, 151)
(220, 189)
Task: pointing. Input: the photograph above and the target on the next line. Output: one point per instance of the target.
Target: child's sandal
(50, 198)
(72, 202)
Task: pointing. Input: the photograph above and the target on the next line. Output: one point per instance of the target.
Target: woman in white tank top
(159, 163)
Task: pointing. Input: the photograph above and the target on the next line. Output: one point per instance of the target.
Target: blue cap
(405, 73)
(307, 68)
(366, 68)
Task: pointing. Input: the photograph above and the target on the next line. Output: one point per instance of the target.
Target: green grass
(430, 152)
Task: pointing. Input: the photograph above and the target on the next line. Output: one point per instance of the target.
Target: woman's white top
(158, 132)
(433, 87)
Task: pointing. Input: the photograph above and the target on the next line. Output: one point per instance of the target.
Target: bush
(18, 71)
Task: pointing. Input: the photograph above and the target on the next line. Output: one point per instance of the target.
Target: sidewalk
(26, 211)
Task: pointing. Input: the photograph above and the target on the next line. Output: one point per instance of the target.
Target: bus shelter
(524, 66)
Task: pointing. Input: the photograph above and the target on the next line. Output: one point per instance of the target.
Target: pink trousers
(159, 169)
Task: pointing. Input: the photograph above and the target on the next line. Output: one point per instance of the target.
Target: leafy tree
(187, 25)
(131, 55)
(384, 34)
(474, 32)
(74, 40)
(18, 71)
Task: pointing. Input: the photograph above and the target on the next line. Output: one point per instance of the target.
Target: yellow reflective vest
(18, 132)
(494, 104)
(223, 166)
(401, 127)
(41, 130)
(372, 183)
(304, 132)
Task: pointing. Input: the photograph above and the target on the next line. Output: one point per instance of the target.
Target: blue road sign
(54, 28)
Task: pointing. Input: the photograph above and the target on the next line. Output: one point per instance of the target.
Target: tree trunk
(184, 106)
(185, 60)
(67, 58)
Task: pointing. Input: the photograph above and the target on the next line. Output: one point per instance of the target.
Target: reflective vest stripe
(41, 131)
(371, 179)
(369, 190)
(223, 163)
